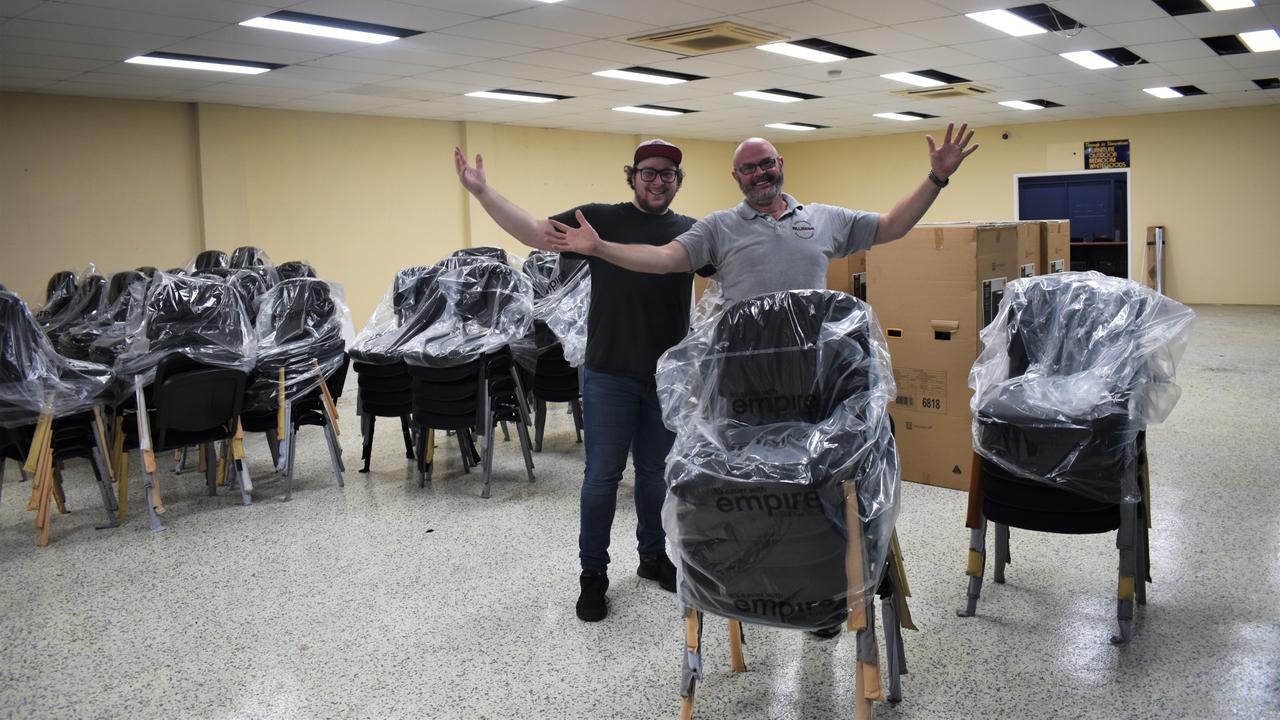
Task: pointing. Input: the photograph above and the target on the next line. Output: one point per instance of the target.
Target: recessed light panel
(776, 95)
(1261, 40)
(814, 50)
(203, 62)
(517, 96)
(1007, 22)
(796, 127)
(659, 110)
(904, 116)
(636, 73)
(322, 26)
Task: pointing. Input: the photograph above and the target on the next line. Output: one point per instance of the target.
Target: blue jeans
(621, 413)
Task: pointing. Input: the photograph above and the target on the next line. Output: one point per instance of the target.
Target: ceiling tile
(384, 12)
(806, 19)
(893, 13)
(1145, 31)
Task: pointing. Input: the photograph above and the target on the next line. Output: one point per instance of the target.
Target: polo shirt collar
(746, 212)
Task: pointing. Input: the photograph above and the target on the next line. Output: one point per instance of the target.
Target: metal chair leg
(976, 567)
(1126, 543)
(488, 442)
(366, 432)
(288, 481)
(104, 486)
(576, 407)
(539, 423)
(1002, 552)
(408, 437)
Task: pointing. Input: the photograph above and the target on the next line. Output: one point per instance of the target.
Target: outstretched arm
(516, 221)
(583, 240)
(944, 160)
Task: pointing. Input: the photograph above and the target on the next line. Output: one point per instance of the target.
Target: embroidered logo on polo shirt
(803, 229)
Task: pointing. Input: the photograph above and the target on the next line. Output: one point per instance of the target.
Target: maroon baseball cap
(657, 148)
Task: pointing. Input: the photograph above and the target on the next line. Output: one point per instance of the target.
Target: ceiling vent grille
(943, 92)
(706, 39)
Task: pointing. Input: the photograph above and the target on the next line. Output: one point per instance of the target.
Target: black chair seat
(1033, 505)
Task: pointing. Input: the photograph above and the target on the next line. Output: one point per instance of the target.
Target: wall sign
(1106, 154)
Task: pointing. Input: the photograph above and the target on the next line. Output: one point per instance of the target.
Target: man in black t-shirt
(634, 318)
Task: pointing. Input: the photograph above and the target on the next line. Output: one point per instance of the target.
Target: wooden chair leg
(691, 671)
(736, 660)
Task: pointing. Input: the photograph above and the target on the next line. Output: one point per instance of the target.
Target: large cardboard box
(933, 291)
(849, 275)
(1055, 246)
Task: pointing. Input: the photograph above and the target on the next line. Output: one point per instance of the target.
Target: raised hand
(582, 240)
(472, 178)
(946, 159)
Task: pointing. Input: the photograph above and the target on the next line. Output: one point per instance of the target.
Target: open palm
(946, 158)
(472, 178)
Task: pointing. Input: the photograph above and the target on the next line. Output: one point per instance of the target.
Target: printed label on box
(992, 293)
(921, 389)
(1057, 266)
(1027, 270)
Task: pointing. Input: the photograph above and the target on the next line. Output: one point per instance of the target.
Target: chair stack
(561, 292)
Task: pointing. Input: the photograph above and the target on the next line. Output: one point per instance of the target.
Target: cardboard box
(849, 275)
(1055, 246)
(933, 291)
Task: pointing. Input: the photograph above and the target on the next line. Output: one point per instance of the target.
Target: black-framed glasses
(650, 174)
(751, 168)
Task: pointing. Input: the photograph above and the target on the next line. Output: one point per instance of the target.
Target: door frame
(1128, 200)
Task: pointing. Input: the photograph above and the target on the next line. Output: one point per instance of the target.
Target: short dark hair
(631, 176)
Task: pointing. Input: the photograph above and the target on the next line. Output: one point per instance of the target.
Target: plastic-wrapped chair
(125, 292)
(209, 259)
(247, 256)
(86, 305)
(562, 302)
(476, 340)
(57, 295)
(188, 354)
(302, 329)
(54, 406)
(410, 305)
(295, 269)
(783, 480)
(1073, 368)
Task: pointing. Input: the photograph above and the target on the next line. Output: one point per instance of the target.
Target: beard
(762, 196)
(655, 204)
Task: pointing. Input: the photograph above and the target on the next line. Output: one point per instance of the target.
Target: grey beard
(763, 197)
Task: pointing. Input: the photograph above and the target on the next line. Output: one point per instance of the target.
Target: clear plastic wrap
(252, 283)
(779, 405)
(201, 318)
(57, 294)
(561, 302)
(411, 304)
(487, 305)
(295, 269)
(85, 305)
(34, 378)
(247, 256)
(1073, 367)
(303, 328)
(208, 260)
(126, 292)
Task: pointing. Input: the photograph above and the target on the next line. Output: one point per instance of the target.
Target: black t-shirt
(634, 316)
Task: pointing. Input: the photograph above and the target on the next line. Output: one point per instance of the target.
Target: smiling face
(760, 185)
(654, 196)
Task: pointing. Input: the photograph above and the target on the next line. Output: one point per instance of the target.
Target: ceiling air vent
(943, 92)
(706, 39)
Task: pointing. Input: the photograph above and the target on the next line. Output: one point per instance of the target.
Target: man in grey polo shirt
(770, 241)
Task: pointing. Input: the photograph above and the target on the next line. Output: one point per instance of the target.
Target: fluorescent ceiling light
(1021, 105)
(293, 26)
(640, 77)
(508, 95)
(765, 95)
(1007, 22)
(1089, 59)
(643, 110)
(798, 127)
(800, 52)
(1164, 93)
(1261, 40)
(196, 62)
(896, 116)
(1228, 4)
(913, 79)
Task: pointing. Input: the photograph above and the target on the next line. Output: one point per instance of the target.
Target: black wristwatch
(933, 178)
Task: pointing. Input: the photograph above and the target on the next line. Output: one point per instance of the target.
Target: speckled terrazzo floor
(383, 600)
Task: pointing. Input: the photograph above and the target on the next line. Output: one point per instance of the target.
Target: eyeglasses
(649, 174)
(751, 168)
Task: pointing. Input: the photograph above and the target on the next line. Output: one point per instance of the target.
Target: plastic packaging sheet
(1073, 367)
(411, 304)
(561, 302)
(488, 305)
(58, 293)
(295, 269)
(247, 256)
(779, 405)
(86, 304)
(201, 318)
(109, 327)
(34, 378)
(303, 328)
(252, 283)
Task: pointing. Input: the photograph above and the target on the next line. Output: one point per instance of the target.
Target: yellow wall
(1208, 176)
(126, 183)
(109, 182)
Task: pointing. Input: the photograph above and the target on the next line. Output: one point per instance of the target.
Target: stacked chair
(465, 362)
(783, 481)
(57, 295)
(1074, 368)
(124, 293)
(50, 412)
(208, 260)
(561, 294)
(409, 306)
(295, 269)
(302, 333)
(185, 366)
(86, 305)
(247, 256)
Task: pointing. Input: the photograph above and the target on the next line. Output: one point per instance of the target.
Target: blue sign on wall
(1106, 154)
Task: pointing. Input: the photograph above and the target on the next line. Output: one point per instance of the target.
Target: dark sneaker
(592, 605)
(827, 633)
(658, 567)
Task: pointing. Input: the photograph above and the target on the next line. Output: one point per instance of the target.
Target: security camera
(835, 73)
(1004, 136)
